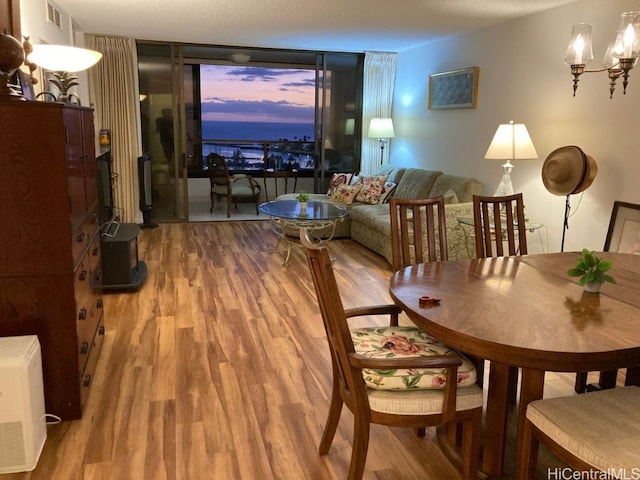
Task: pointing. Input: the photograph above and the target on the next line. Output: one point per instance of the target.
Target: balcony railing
(258, 155)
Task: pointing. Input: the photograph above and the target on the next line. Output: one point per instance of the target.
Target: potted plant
(591, 271)
(303, 198)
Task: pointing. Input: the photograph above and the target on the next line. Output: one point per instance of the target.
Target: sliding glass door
(190, 108)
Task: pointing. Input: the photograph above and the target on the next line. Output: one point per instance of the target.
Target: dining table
(525, 312)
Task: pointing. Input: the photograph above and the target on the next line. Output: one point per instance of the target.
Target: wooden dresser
(50, 267)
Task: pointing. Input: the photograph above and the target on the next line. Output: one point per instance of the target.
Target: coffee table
(287, 217)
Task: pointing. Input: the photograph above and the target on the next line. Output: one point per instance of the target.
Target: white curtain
(113, 89)
(379, 81)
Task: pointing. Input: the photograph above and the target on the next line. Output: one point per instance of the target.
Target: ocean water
(221, 130)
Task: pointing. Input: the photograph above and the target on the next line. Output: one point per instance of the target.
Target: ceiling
(331, 25)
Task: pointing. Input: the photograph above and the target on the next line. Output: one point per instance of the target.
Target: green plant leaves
(591, 269)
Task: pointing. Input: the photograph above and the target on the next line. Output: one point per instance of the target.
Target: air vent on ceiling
(53, 15)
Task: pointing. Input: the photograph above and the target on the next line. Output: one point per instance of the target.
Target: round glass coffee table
(287, 218)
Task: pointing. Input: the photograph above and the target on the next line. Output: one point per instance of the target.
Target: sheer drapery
(113, 89)
(379, 82)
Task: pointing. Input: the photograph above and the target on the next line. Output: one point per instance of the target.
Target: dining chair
(418, 231)
(391, 375)
(594, 432)
(608, 378)
(496, 221)
(235, 188)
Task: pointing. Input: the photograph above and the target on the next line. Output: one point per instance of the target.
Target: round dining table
(525, 312)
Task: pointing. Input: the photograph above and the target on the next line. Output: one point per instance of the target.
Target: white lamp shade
(511, 142)
(63, 58)
(381, 128)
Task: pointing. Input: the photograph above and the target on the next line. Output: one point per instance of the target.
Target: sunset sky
(233, 93)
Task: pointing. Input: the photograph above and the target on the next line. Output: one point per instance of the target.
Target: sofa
(370, 224)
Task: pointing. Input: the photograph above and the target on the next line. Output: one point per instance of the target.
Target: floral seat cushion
(390, 342)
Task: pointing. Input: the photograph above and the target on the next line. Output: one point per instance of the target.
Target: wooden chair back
(499, 221)
(418, 228)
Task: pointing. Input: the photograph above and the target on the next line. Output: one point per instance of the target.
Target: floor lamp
(382, 129)
(511, 142)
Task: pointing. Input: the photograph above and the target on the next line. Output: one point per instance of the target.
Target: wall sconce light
(621, 55)
(382, 129)
(63, 61)
(511, 142)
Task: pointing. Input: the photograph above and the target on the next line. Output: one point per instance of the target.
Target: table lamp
(63, 61)
(511, 142)
(382, 129)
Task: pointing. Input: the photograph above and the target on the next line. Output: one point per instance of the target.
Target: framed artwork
(624, 229)
(26, 85)
(454, 89)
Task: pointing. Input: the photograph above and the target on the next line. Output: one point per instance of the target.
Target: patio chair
(235, 188)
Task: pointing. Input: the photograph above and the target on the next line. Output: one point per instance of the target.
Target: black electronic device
(144, 191)
(105, 187)
(121, 268)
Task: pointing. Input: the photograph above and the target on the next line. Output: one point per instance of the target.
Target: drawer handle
(101, 330)
(80, 237)
(95, 251)
(82, 314)
(82, 275)
(99, 303)
(94, 218)
(87, 380)
(84, 348)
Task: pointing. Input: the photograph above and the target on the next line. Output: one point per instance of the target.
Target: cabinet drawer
(88, 318)
(87, 375)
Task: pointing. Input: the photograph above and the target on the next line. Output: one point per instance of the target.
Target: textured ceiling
(335, 25)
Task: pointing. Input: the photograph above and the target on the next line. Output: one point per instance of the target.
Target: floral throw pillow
(371, 189)
(403, 342)
(345, 193)
(387, 191)
(338, 179)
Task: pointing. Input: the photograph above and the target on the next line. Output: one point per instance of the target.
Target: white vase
(592, 287)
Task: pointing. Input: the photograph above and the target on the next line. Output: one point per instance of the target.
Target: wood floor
(219, 369)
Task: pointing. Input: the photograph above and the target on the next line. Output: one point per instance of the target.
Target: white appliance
(23, 428)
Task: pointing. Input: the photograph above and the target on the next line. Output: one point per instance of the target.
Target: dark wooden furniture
(285, 175)
(50, 261)
(498, 220)
(236, 188)
(525, 312)
(349, 387)
(417, 223)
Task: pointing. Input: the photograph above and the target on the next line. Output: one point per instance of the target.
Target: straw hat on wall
(568, 170)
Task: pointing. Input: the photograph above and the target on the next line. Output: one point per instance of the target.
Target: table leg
(496, 420)
(531, 388)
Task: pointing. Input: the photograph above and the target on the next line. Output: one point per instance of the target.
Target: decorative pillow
(404, 342)
(371, 189)
(338, 179)
(450, 196)
(345, 193)
(387, 191)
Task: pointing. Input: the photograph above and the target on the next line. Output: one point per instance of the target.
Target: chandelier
(621, 55)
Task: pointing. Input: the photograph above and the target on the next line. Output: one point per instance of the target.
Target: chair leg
(513, 385)
(581, 382)
(633, 376)
(608, 379)
(471, 446)
(333, 417)
(527, 470)
(213, 199)
(361, 428)
(421, 432)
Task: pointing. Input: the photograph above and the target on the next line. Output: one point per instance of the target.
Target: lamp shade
(63, 58)
(381, 128)
(511, 142)
(579, 51)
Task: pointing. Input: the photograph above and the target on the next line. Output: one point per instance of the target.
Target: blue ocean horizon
(225, 130)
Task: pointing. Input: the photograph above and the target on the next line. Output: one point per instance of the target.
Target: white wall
(523, 78)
